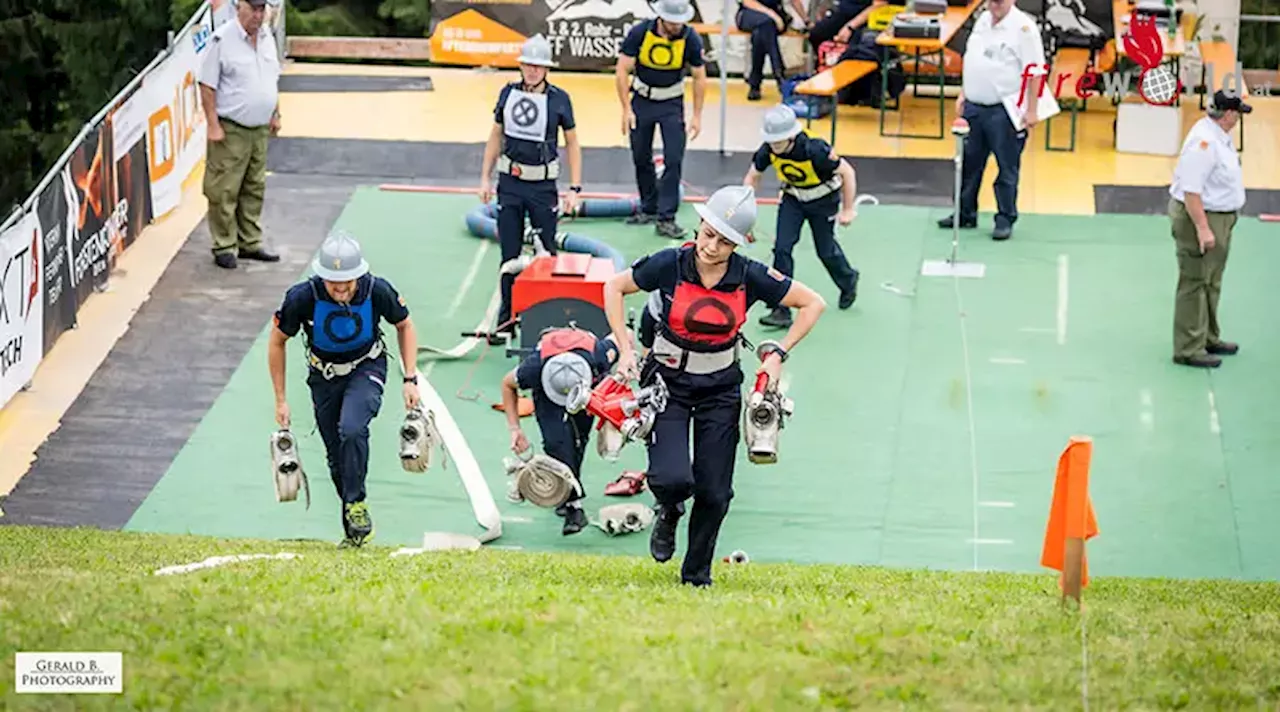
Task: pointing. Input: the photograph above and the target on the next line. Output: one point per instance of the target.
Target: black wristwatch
(771, 347)
(411, 379)
(576, 188)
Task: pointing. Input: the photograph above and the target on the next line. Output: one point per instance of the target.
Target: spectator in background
(239, 91)
(1205, 199)
(1004, 42)
(765, 20)
(843, 23)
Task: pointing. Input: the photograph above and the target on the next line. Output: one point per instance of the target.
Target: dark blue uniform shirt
(374, 296)
(807, 164)
(775, 5)
(656, 63)
(559, 114)
(659, 271)
(529, 372)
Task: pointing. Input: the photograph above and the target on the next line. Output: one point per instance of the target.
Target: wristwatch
(411, 379)
(576, 188)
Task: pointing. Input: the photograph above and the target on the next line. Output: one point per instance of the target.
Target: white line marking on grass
(973, 438)
(1214, 427)
(1062, 299)
(1036, 330)
(991, 541)
(213, 561)
(1148, 415)
(990, 503)
(1007, 361)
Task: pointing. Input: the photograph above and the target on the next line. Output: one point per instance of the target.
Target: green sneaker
(358, 523)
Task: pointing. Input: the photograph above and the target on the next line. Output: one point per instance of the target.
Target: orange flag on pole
(1071, 519)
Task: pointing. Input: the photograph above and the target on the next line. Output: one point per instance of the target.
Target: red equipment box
(554, 291)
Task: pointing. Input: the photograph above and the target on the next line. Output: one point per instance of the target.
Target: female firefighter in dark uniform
(706, 289)
(564, 357)
(523, 145)
(817, 187)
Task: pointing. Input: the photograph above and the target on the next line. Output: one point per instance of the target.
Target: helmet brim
(535, 62)
(344, 275)
(681, 18)
(782, 135)
(720, 225)
(575, 362)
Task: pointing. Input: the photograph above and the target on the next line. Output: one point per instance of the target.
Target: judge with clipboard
(1005, 42)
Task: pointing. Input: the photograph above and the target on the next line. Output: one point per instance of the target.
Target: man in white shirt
(1205, 199)
(1004, 47)
(239, 90)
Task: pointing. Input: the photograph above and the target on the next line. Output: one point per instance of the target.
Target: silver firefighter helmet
(731, 211)
(340, 258)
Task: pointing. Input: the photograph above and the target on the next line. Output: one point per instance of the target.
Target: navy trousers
(713, 406)
(991, 131)
(519, 199)
(658, 198)
(764, 42)
(564, 436)
(821, 216)
(344, 407)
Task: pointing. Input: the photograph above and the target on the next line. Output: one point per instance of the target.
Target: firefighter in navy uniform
(338, 311)
(706, 289)
(565, 357)
(818, 187)
(522, 144)
(659, 50)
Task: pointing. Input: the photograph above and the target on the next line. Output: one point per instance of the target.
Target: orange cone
(1071, 519)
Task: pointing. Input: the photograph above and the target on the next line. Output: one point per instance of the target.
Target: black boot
(779, 317)
(575, 520)
(662, 540)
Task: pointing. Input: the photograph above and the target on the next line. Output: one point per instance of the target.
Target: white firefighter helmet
(678, 11)
(537, 51)
(561, 373)
(731, 211)
(780, 124)
(340, 259)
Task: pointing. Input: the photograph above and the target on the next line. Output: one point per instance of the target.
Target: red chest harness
(558, 341)
(702, 319)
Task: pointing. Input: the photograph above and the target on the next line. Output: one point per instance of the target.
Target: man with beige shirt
(239, 91)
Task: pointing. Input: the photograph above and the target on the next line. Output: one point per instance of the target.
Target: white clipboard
(1045, 108)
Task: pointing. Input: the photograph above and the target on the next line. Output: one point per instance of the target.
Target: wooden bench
(1069, 64)
(1222, 58)
(829, 82)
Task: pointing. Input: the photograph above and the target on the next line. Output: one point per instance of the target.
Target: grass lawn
(509, 630)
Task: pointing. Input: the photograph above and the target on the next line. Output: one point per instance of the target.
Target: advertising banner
(56, 226)
(175, 122)
(131, 179)
(21, 306)
(89, 242)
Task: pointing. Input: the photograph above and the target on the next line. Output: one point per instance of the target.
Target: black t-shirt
(806, 165)
(526, 117)
(529, 371)
(349, 324)
(660, 62)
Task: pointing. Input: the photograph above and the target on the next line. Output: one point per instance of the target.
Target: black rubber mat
(338, 83)
(901, 181)
(1154, 200)
(123, 431)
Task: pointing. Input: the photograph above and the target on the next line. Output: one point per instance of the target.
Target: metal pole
(961, 130)
(725, 19)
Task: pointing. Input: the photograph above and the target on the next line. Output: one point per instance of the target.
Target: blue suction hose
(482, 221)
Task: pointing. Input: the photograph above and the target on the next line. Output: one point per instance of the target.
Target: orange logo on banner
(472, 39)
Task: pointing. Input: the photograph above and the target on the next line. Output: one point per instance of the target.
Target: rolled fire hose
(541, 479)
(617, 519)
(482, 502)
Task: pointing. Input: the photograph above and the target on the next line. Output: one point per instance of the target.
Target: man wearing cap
(1003, 51)
(239, 92)
(696, 351)
(564, 358)
(658, 50)
(523, 144)
(338, 311)
(817, 187)
(1205, 200)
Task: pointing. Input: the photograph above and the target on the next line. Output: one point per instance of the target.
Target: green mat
(888, 460)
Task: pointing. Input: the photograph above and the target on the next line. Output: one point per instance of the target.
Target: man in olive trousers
(1205, 199)
(239, 91)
